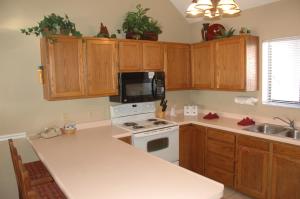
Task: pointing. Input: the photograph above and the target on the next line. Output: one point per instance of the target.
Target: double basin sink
(275, 130)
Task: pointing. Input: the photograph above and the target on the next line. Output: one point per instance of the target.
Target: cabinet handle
(40, 71)
(218, 79)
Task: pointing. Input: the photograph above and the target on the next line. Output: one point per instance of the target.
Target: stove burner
(152, 120)
(160, 122)
(130, 124)
(138, 127)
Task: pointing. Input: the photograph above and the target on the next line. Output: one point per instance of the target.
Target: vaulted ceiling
(182, 5)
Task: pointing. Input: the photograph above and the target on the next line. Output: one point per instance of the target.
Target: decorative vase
(204, 31)
(152, 36)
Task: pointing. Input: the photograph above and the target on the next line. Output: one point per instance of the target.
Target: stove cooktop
(146, 124)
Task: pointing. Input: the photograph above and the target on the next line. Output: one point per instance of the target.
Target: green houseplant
(137, 24)
(53, 25)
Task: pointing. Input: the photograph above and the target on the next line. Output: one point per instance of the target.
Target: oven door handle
(155, 132)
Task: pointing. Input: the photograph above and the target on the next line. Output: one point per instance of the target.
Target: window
(281, 72)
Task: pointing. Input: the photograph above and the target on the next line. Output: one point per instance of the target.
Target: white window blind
(281, 71)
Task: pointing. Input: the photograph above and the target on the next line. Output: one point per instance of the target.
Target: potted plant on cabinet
(53, 25)
(137, 25)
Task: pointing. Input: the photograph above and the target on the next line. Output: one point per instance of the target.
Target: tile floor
(232, 194)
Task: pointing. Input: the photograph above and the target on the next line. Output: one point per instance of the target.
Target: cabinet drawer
(287, 150)
(219, 162)
(220, 148)
(219, 175)
(220, 135)
(252, 142)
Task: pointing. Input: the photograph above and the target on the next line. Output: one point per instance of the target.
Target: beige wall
(280, 19)
(22, 107)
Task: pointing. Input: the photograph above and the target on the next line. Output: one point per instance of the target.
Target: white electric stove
(154, 135)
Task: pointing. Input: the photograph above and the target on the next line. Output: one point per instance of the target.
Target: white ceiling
(182, 5)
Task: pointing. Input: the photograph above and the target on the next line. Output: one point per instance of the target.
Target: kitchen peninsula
(93, 164)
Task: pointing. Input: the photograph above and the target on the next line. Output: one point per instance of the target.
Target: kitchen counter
(93, 164)
(226, 124)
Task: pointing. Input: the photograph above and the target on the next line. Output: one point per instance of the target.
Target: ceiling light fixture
(212, 8)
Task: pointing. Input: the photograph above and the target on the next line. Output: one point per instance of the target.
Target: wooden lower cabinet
(254, 166)
(285, 172)
(192, 147)
(252, 170)
(126, 139)
(219, 156)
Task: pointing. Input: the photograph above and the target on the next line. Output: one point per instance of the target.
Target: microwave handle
(154, 88)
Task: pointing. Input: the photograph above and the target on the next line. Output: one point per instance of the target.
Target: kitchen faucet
(291, 123)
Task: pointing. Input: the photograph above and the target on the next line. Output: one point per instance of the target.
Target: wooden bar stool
(37, 172)
(48, 190)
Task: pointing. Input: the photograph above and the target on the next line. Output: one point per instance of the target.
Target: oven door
(163, 143)
(142, 86)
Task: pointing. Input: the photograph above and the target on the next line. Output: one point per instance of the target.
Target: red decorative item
(214, 30)
(103, 30)
(211, 116)
(246, 122)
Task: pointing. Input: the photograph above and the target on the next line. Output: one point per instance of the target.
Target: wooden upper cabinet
(101, 67)
(76, 67)
(285, 172)
(236, 63)
(203, 65)
(63, 67)
(153, 56)
(130, 56)
(177, 66)
(253, 160)
(192, 147)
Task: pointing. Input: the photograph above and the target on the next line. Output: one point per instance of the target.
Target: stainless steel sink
(275, 130)
(266, 128)
(291, 133)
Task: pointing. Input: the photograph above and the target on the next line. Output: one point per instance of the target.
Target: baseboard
(12, 136)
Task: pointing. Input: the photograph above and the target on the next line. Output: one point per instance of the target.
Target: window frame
(266, 77)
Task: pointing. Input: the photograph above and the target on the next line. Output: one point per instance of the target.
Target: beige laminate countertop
(227, 124)
(92, 164)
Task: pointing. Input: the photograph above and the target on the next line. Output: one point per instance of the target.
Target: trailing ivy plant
(52, 25)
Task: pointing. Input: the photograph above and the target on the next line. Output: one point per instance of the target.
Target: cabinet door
(230, 69)
(65, 69)
(130, 56)
(252, 171)
(177, 66)
(285, 178)
(153, 56)
(191, 147)
(203, 66)
(101, 67)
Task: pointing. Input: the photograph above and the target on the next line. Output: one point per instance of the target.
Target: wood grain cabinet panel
(130, 56)
(203, 65)
(253, 162)
(177, 66)
(236, 63)
(192, 147)
(63, 67)
(229, 64)
(153, 56)
(286, 172)
(126, 139)
(220, 156)
(101, 67)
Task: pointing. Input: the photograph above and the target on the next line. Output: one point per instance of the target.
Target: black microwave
(140, 87)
